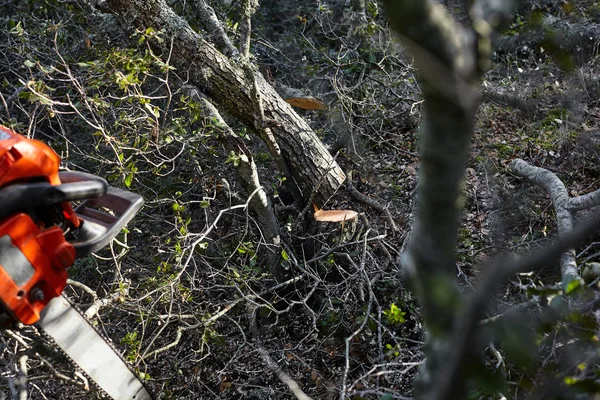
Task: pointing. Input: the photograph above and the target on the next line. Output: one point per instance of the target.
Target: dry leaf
(314, 375)
(307, 103)
(225, 384)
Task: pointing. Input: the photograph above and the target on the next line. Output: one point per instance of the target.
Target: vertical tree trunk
(223, 80)
(450, 60)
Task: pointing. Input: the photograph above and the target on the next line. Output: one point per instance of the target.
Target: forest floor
(346, 318)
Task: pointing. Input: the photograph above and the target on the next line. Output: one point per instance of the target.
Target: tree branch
(214, 28)
(248, 8)
(584, 202)
(560, 199)
(283, 377)
(248, 178)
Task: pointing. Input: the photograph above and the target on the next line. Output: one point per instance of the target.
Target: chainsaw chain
(104, 337)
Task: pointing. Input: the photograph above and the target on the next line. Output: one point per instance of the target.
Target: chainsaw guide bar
(89, 351)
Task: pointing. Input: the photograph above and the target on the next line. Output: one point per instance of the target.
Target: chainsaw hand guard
(102, 217)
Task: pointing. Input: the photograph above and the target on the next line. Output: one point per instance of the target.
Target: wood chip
(334, 215)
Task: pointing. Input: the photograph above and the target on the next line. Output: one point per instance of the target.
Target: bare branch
(283, 377)
(23, 395)
(248, 8)
(214, 28)
(560, 199)
(584, 202)
(370, 202)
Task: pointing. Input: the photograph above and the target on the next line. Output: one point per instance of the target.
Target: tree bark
(223, 80)
(213, 26)
(450, 60)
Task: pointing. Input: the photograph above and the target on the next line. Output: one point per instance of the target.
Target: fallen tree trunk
(224, 81)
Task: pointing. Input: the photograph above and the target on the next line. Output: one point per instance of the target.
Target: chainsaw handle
(21, 196)
(77, 176)
(100, 226)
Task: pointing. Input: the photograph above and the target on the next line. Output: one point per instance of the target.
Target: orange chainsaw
(41, 236)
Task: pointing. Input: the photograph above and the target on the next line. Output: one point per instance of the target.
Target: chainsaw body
(41, 234)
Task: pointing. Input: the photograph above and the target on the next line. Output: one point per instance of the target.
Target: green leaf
(144, 376)
(394, 315)
(153, 109)
(204, 204)
(285, 255)
(29, 63)
(128, 180)
(233, 158)
(573, 286)
(585, 385)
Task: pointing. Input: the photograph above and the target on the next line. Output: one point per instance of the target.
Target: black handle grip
(76, 186)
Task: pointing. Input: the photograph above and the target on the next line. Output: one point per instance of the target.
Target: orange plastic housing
(23, 159)
(32, 258)
(32, 266)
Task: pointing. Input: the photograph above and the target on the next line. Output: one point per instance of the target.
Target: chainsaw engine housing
(32, 266)
(33, 251)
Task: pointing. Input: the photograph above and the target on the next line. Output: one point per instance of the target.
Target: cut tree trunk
(223, 80)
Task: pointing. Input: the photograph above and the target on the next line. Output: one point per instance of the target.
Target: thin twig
(283, 377)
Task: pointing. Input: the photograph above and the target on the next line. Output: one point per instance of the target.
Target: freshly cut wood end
(307, 103)
(335, 215)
